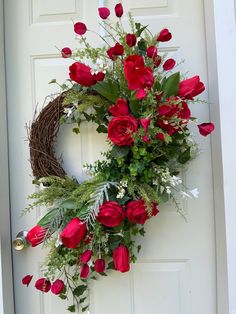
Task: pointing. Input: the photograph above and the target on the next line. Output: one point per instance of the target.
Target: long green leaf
(170, 86)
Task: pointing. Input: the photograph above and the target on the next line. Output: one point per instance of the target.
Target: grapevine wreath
(141, 101)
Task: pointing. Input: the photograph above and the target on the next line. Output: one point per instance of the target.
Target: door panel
(175, 273)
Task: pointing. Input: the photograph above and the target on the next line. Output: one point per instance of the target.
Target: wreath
(136, 96)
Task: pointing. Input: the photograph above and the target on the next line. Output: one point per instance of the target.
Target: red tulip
(121, 258)
(74, 232)
(206, 128)
(119, 10)
(191, 87)
(85, 257)
(164, 35)
(131, 40)
(66, 52)
(169, 64)
(43, 285)
(152, 52)
(36, 235)
(84, 271)
(99, 265)
(57, 287)
(104, 13)
(26, 280)
(80, 28)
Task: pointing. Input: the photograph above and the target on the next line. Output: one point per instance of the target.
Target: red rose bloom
(104, 13)
(164, 35)
(99, 76)
(169, 64)
(140, 94)
(80, 28)
(120, 108)
(137, 75)
(86, 256)
(191, 87)
(57, 287)
(99, 265)
(26, 280)
(121, 258)
(36, 235)
(152, 52)
(119, 10)
(206, 128)
(84, 271)
(114, 52)
(43, 285)
(137, 211)
(111, 214)
(73, 233)
(81, 74)
(131, 40)
(120, 130)
(66, 52)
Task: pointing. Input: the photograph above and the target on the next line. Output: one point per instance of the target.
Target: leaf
(119, 151)
(108, 89)
(142, 45)
(71, 308)
(170, 87)
(82, 300)
(84, 308)
(53, 81)
(101, 129)
(134, 106)
(78, 291)
(185, 156)
(46, 220)
(68, 204)
(76, 130)
(62, 296)
(140, 29)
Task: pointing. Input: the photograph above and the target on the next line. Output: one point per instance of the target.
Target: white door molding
(221, 51)
(6, 282)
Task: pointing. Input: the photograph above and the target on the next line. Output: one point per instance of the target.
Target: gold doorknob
(20, 241)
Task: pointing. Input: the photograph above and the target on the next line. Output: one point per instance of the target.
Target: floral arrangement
(136, 96)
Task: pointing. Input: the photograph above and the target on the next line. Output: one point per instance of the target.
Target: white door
(176, 271)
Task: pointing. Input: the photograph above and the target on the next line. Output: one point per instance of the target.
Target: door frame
(221, 50)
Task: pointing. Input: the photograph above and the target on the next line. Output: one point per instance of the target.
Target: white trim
(6, 282)
(221, 51)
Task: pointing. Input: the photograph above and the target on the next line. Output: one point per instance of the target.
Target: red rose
(81, 74)
(137, 75)
(73, 233)
(206, 128)
(131, 40)
(164, 35)
(57, 287)
(111, 214)
(151, 52)
(66, 52)
(117, 50)
(145, 122)
(169, 64)
(119, 10)
(36, 235)
(120, 130)
(140, 94)
(191, 87)
(85, 257)
(137, 211)
(120, 108)
(99, 265)
(26, 280)
(121, 258)
(43, 285)
(80, 28)
(104, 13)
(84, 271)
(99, 76)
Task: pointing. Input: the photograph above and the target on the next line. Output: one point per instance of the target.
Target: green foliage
(170, 86)
(108, 89)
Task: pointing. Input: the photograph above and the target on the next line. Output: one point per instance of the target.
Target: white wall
(6, 283)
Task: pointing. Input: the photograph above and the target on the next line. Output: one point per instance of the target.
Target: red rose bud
(99, 265)
(80, 28)
(151, 52)
(114, 52)
(140, 94)
(119, 10)
(131, 40)
(164, 35)
(136, 211)
(104, 13)
(26, 280)
(36, 235)
(169, 64)
(57, 287)
(43, 285)
(206, 128)
(120, 130)
(191, 87)
(120, 108)
(66, 52)
(99, 76)
(145, 122)
(160, 137)
(121, 258)
(84, 271)
(73, 233)
(85, 257)
(81, 74)
(111, 214)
